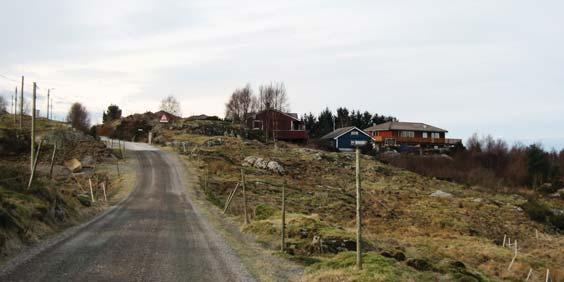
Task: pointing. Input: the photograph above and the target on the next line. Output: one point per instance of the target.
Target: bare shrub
(79, 118)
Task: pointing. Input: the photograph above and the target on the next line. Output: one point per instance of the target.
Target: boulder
(73, 165)
(275, 167)
(441, 194)
(249, 161)
(419, 264)
(261, 163)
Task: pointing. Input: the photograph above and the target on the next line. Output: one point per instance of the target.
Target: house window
(390, 141)
(354, 132)
(435, 135)
(257, 124)
(295, 125)
(424, 134)
(408, 134)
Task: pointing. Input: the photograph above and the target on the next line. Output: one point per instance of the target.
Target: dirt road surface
(155, 234)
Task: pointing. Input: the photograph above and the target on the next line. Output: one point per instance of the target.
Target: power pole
(358, 216)
(16, 106)
(48, 94)
(33, 126)
(21, 103)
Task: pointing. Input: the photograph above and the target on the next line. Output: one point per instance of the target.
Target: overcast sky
(492, 67)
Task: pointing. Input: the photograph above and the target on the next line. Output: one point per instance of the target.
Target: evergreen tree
(325, 121)
(342, 119)
(113, 113)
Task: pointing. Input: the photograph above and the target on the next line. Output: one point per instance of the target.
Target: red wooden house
(395, 133)
(279, 125)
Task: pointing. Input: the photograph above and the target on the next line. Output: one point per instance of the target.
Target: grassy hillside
(51, 204)
(409, 235)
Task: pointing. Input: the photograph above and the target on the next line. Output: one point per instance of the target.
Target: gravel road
(156, 234)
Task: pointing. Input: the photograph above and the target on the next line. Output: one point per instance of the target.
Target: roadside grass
(52, 205)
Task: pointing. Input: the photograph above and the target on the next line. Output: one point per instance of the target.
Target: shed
(346, 138)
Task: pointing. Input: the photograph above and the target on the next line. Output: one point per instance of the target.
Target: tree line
(326, 121)
(491, 163)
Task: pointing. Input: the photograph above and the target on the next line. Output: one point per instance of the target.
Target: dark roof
(411, 126)
(340, 131)
(293, 116)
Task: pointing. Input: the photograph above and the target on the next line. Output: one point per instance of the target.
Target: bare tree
(241, 103)
(3, 105)
(78, 117)
(171, 106)
(273, 97)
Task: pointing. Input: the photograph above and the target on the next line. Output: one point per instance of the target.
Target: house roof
(411, 126)
(341, 131)
(293, 116)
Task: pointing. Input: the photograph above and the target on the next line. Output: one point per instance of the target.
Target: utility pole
(358, 216)
(33, 126)
(16, 106)
(21, 103)
(48, 94)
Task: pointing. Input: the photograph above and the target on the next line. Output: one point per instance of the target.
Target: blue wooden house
(347, 138)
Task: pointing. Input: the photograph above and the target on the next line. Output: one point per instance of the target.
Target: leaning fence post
(52, 161)
(34, 165)
(283, 226)
(514, 257)
(91, 192)
(529, 275)
(547, 275)
(230, 198)
(244, 197)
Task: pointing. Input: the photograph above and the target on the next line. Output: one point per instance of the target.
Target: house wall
(344, 141)
(273, 120)
(385, 134)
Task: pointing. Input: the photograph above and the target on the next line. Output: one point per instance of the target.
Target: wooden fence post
(52, 160)
(229, 198)
(104, 191)
(117, 166)
(514, 257)
(244, 196)
(358, 215)
(283, 226)
(32, 159)
(529, 275)
(34, 166)
(206, 180)
(91, 192)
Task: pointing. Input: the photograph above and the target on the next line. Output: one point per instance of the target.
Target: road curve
(154, 235)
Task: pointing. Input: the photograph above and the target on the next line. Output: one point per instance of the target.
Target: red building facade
(279, 125)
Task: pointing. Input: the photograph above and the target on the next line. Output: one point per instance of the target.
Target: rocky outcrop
(261, 163)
